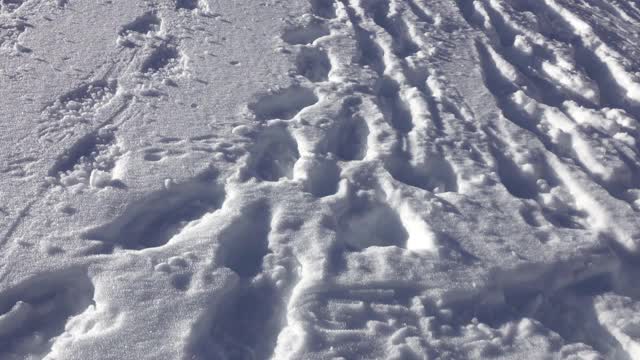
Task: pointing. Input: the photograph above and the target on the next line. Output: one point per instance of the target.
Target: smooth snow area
(319, 179)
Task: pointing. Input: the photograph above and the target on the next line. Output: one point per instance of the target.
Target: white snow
(319, 179)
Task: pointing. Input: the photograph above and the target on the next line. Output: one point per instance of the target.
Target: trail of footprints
(89, 115)
(35, 314)
(538, 86)
(338, 126)
(403, 115)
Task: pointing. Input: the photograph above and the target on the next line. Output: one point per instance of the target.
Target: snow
(319, 179)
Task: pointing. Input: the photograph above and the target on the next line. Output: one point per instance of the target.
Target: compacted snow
(319, 179)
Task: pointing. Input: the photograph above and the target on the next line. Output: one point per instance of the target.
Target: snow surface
(319, 179)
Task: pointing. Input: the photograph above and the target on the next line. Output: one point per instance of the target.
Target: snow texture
(319, 179)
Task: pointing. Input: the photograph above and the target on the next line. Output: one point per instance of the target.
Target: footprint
(86, 150)
(36, 311)
(146, 23)
(131, 34)
(351, 137)
(370, 222)
(76, 105)
(244, 243)
(283, 104)
(313, 64)
(436, 175)
(275, 155)
(518, 183)
(322, 175)
(163, 56)
(83, 97)
(75, 109)
(347, 135)
(395, 108)
(89, 161)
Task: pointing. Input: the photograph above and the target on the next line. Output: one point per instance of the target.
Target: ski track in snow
(448, 179)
